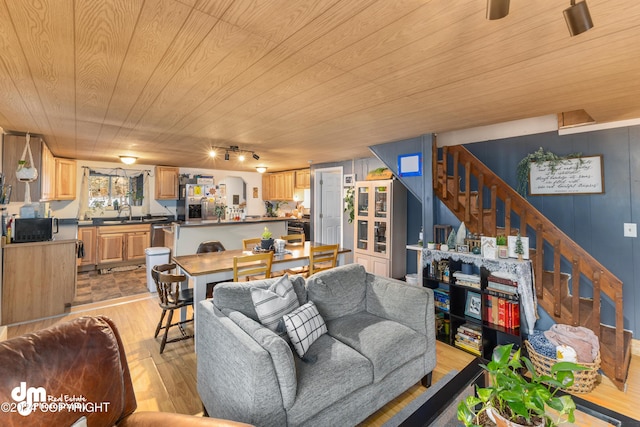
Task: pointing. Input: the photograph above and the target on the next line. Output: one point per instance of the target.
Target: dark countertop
(153, 219)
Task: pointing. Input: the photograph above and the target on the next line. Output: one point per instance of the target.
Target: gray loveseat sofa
(380, 342)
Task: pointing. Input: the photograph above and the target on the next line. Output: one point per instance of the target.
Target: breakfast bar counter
(184, 238)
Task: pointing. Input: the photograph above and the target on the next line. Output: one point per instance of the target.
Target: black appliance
(34, 229)
(299, 226)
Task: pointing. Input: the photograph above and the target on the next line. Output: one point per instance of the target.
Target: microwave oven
(34, 229)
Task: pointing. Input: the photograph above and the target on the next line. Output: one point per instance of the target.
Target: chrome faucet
(123, 207)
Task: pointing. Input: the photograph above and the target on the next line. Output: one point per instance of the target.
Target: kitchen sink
(117, 221)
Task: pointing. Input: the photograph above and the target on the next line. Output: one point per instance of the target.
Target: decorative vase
(266, 243)
(444, 248)
(431, 245)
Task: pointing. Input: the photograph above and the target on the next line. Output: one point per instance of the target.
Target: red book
(501, 311)
(516, 315)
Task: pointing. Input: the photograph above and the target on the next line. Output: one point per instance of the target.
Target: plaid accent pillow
(304, 326)
(272, 303)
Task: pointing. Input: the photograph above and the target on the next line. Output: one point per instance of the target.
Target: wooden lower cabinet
(122, 243)
(39, 280)
(88, 237)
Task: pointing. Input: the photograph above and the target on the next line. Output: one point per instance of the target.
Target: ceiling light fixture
(261, 169)
(497, 9)
(578, 18)
(241, 155)
(128, 160)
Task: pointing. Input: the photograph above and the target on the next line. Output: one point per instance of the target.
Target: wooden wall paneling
(39, 60)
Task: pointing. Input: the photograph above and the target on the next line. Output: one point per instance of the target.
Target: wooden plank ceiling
(299, 81)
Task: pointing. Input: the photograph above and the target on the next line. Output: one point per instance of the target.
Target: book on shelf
(499, 279)
(467, 348)
(470, 330)
(501, 287)
(501, 311)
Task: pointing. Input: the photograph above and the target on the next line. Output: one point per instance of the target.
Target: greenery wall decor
(540, 155)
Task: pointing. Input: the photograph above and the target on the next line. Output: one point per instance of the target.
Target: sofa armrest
(237, 378)
(409, 305)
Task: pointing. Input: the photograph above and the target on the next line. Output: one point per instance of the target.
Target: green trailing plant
(349, 207)
(517, 399)
(540, 155)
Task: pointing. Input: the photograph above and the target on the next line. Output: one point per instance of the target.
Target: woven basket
(583, 382)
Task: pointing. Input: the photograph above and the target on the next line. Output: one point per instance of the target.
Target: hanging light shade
(578, 18)
(128, 160)
(497, 9)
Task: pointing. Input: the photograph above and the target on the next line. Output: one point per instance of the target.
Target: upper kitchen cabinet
(12, 148)
(278, 186)
(57, 177)
(303, 179)
(167, 182)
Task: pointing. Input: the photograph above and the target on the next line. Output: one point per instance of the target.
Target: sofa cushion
(339, 291)
(337, 372)
(304, 327)
(273, 303)
(236, 296)
(387, 344)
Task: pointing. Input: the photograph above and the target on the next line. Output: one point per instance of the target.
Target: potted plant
(510, 396)
(348, 203)
(219, 210)
(267, 240)
(501, 244)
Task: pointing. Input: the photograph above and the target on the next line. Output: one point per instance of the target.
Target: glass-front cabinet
(380, 206)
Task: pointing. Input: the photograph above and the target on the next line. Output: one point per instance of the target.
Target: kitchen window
(123, 186)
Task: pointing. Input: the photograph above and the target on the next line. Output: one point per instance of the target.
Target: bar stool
(210, 246)
(172, 297)
(207, 247)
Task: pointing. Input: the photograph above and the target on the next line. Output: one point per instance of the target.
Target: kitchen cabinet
(278, 186)
(122, 243)
(12, 148)
(303, 179)
(380, 227)
(57, 176)
(88, 237)
(166, 182)
(39, 280)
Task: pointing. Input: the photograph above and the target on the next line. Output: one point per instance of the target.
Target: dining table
(214, 267)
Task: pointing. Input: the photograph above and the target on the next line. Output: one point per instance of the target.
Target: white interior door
(328, 185)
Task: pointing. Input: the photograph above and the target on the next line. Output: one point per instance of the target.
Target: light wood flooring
(167, 382)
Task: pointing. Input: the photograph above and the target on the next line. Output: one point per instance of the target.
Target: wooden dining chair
(294, 239)
(250, 244)
(322, 258)
(171, 297)
(252, 267)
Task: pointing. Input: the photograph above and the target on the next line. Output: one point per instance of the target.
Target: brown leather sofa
(55, 376)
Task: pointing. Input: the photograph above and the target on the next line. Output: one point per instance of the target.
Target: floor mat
(92, 286)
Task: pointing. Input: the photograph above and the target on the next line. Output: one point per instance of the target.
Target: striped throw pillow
(273, 303)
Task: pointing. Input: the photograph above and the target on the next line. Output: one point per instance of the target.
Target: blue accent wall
(595, 222)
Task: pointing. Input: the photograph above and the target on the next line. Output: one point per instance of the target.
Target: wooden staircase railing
(548, 242)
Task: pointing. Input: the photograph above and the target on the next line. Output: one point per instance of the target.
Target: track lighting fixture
(235, 150)
(578, 18)
(497, 9)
